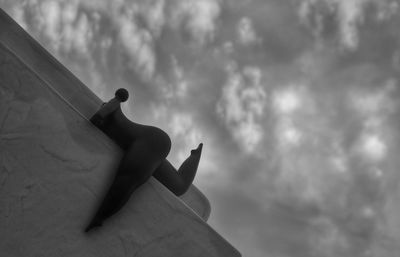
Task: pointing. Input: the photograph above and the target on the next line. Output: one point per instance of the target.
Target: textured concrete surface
(54, 168)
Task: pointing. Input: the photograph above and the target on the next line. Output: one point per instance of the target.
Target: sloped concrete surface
(54, 168)
(69, 88)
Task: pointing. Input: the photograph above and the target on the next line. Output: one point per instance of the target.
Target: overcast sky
(296, 102)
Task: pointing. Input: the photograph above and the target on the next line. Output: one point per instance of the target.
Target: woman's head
(122, 94)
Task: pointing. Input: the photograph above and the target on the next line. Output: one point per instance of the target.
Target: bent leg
(113, 201)
(136, 167)
(179, 181)
(170, 178)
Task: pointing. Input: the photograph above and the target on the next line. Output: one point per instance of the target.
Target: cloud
(185, 134)
(386, 9)
(49, 21)
(76, 37)
(292, 105)
(307, 149)
(197, 18)
(73, 27)
(58, 23)
(153, 13)
(374, 107)
(288, 134)
(242, 104)
(246, 33)
(349, 16)
(286, 101)
(138, 44)
(373, 147)
(18, 15)
(132, 28)
(176, 87)
(371, 103)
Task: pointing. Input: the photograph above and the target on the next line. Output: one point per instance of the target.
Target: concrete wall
(54, 168)
(68, 87)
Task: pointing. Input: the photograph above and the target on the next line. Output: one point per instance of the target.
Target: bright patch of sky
(287, 101)
(246, 32)
(242, 104)
(373, 147)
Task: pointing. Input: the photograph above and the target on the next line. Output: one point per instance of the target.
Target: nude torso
(118, 127)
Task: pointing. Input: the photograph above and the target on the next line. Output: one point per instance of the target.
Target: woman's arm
(106, 109)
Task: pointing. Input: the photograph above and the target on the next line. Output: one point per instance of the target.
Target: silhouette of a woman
(146, 149)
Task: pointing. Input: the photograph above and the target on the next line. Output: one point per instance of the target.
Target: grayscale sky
(296, 102)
